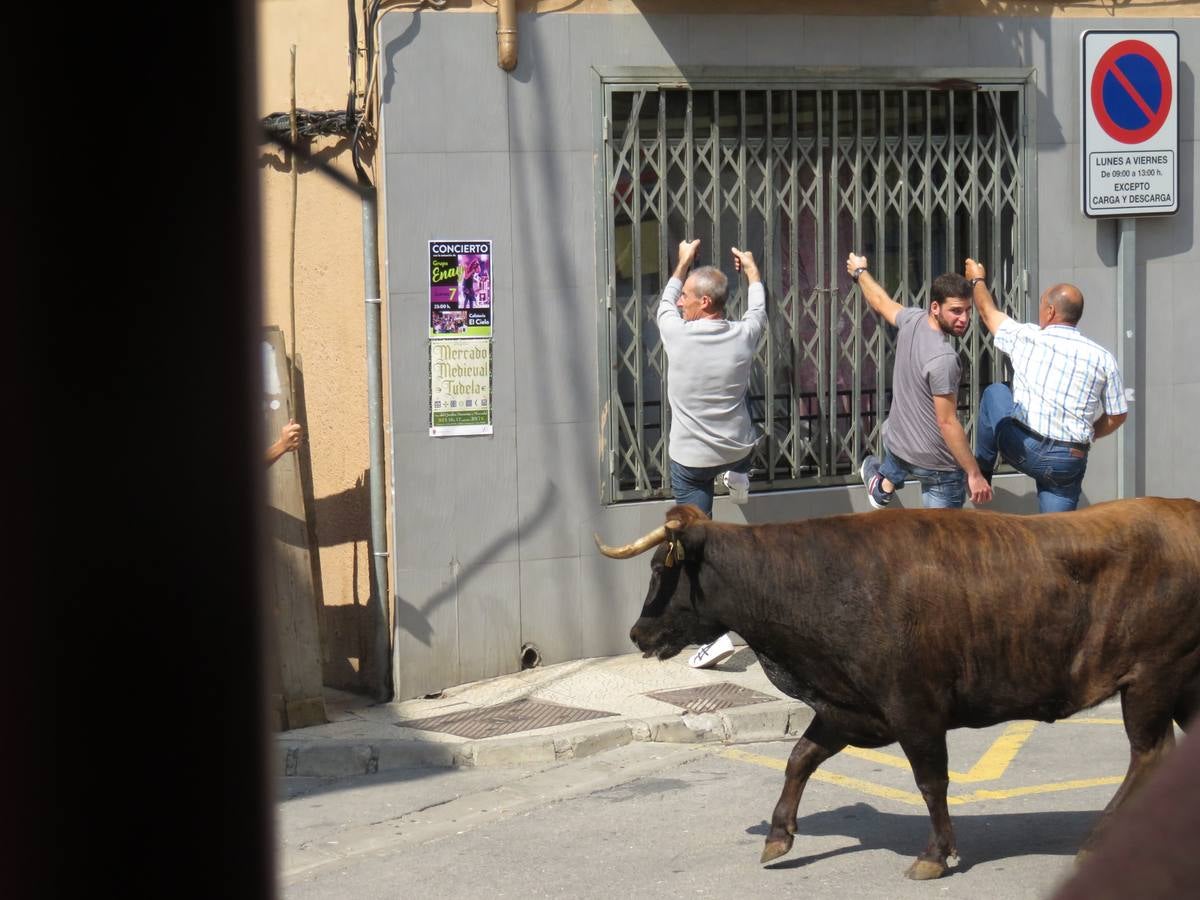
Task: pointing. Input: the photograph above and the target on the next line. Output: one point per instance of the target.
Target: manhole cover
(504, 718)
(710, 697)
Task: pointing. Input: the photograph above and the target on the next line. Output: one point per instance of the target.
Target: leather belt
(1074, 445)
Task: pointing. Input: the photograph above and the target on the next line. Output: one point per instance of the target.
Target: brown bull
(964, 619)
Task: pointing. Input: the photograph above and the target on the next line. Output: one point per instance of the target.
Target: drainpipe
(380, 649)
(506, 35)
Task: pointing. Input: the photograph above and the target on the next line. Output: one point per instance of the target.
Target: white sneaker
(739, 486)
(711, 654)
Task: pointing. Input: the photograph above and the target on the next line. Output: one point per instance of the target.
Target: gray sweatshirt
(708, 373)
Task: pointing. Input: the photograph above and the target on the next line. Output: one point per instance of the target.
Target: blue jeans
(691, 484)
(1056, 469)
(939, 490)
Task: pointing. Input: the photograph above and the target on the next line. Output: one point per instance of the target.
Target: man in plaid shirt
(1066, 393)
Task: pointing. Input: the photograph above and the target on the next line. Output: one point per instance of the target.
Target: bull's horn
(641, 545)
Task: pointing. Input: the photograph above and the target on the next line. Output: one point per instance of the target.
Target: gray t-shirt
(926, 365)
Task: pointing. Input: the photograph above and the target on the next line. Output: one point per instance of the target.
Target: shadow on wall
(414, 620)
(389, 51)
(278, 161)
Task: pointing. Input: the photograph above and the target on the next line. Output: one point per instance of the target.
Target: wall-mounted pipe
(506, 35)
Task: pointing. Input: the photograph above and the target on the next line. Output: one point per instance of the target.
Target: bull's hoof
(776, 849)
(925, 870)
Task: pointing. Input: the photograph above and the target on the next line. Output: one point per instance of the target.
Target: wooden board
(297, 697)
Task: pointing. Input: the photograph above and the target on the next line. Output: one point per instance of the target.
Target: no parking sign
(1130, 133)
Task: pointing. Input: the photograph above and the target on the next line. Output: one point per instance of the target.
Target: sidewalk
(362, 737)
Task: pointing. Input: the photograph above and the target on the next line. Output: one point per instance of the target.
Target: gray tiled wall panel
(556, 349)
(1099, 287)
(1157, 409)
(1158, 311)
(1184, 347)
(440, 83)
(895, 38)
(721, 40)
(425, 636)
(434, 196)
(489, 611)
(1100, 483)
(1053, 49)
(484, 496)
(558, 481)
(408, 355)
(544, 188)
(1189, 51)
(550, 608)
(455, 498)
(611, 595)
(1185, 438)
(539, 91)
(425, 484)
(1058, 190)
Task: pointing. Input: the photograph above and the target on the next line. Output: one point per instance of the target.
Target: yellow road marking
(857, 784)
(1007, 793)
(1091, 722)
(915, 799)
(875, 790)
(994, 762)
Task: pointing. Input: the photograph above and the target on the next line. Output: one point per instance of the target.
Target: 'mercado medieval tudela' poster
(460, 338)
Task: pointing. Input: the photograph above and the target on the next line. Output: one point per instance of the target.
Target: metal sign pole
(1127, 481)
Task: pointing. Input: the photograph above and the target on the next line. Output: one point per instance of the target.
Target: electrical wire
(364, 123)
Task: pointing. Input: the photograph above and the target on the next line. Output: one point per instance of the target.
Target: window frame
(871, 80)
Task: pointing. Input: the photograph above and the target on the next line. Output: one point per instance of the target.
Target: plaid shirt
(1062, 381)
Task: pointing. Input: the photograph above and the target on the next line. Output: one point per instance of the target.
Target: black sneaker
(876, 495)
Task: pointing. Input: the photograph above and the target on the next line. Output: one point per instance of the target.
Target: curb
(325, 758)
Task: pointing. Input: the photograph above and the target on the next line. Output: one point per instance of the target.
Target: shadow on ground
(984, 838)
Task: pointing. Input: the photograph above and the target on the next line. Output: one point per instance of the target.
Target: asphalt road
(659, 820)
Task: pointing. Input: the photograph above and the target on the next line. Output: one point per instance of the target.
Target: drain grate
(711, 697)
(504, 718)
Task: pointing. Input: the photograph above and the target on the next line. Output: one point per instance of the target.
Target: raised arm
(989, 313)
(743, 261)
(872, 290)
(687, 255)
(756, 294)
(668, 312)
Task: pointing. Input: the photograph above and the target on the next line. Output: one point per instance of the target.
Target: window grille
(915, 178)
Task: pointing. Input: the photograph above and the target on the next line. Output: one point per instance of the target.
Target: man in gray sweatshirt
(709, 360)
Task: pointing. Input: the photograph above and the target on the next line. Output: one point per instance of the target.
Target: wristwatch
(854, 275)
(975, 281)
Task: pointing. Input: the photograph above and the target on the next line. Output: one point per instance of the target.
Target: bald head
(1067, 302)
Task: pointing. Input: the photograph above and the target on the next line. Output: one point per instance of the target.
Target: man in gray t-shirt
(922, 437)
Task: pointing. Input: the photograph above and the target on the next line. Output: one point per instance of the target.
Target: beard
(948, 328)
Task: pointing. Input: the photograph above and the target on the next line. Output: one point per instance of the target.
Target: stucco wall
(330, 336)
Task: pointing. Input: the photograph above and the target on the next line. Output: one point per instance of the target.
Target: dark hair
(711, 282)
(949, 285)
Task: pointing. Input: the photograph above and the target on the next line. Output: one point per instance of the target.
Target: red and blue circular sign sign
(1131, 92)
